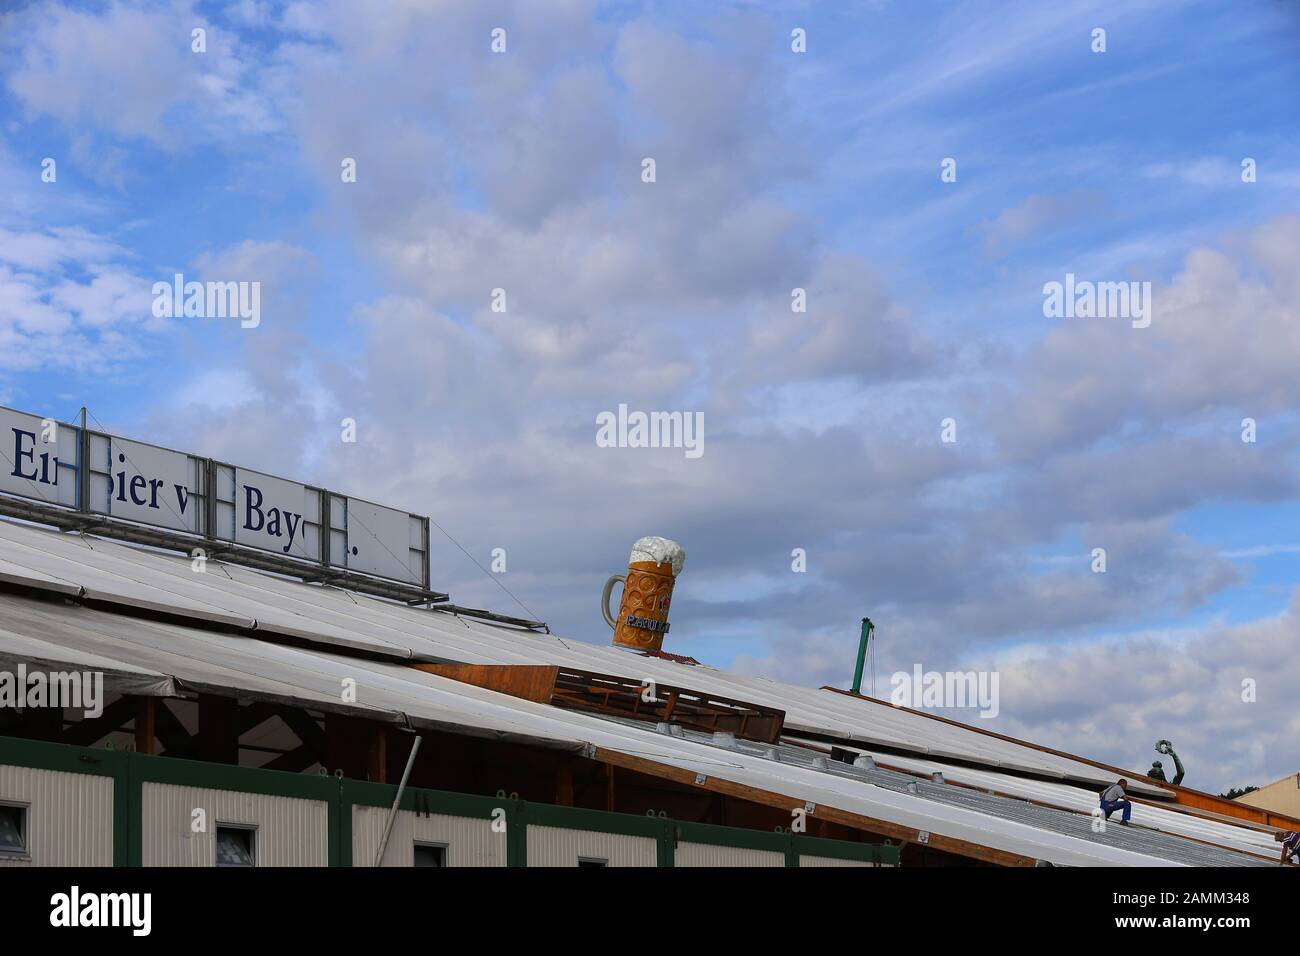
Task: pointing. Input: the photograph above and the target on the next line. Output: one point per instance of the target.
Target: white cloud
(1032, 216)
(1113, 700)
(523, 173)
(128, 70)
(66, 300)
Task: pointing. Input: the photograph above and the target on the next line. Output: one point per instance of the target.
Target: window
(430, 854)
(13, 829)
(236, 846)
(591, 861)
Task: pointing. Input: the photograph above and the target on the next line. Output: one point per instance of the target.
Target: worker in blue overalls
(1290, 841)
(1113, 798)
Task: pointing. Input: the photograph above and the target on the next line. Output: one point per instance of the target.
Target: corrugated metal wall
(70, 821)
(708, 854)
(554, 846)
(70, 816)
(470, 841)
(829, 861)
(290, 831)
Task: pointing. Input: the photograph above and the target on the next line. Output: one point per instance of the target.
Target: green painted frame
(146, 768)
(131, 771)
(599, 821)
(362, 793)
(793, 845)
(41, 755)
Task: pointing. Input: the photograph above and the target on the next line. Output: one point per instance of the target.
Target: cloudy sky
(775, 170)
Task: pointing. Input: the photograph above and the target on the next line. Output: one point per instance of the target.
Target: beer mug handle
(604, 599)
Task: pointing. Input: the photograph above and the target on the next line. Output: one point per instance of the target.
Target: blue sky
(775, 170)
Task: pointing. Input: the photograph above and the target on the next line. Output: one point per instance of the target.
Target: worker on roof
(1113, 798)
(1290, 841)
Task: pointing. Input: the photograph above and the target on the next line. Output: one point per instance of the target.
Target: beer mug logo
(642, 619)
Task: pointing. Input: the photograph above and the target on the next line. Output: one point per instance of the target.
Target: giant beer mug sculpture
(642, 618)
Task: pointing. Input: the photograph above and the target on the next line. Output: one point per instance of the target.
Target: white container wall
(555, 846)
(829, 861)
(470, 841)
(290, 831)
(708, 854)
(69, 816)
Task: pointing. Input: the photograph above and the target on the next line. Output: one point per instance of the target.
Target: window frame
(432, 845)
(24, 852)
(249, 828)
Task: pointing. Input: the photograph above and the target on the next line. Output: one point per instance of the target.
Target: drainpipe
(397, 800)
(867, 628)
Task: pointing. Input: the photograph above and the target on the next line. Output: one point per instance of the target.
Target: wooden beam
(304, 727)
(218, 729)
(619, 696)
(146, 724)
(43, 723)
(564, 784)
(86, 732)
(1184, 796)
(1081, 813)
(855, 820)
(526, 681)
(254, 715)
(377, 755)
(167, 727)
(357, 747)
(295, 761)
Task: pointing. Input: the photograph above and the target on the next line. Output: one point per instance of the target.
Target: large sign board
(59, 464)
(135, 481)
(381, 541)
(273, 514)
(38, 458)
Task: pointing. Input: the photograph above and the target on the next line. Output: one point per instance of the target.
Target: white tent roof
(246, 656)
(130, 576)
(172, 658)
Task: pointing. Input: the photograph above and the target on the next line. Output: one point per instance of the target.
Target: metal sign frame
(318, 564)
